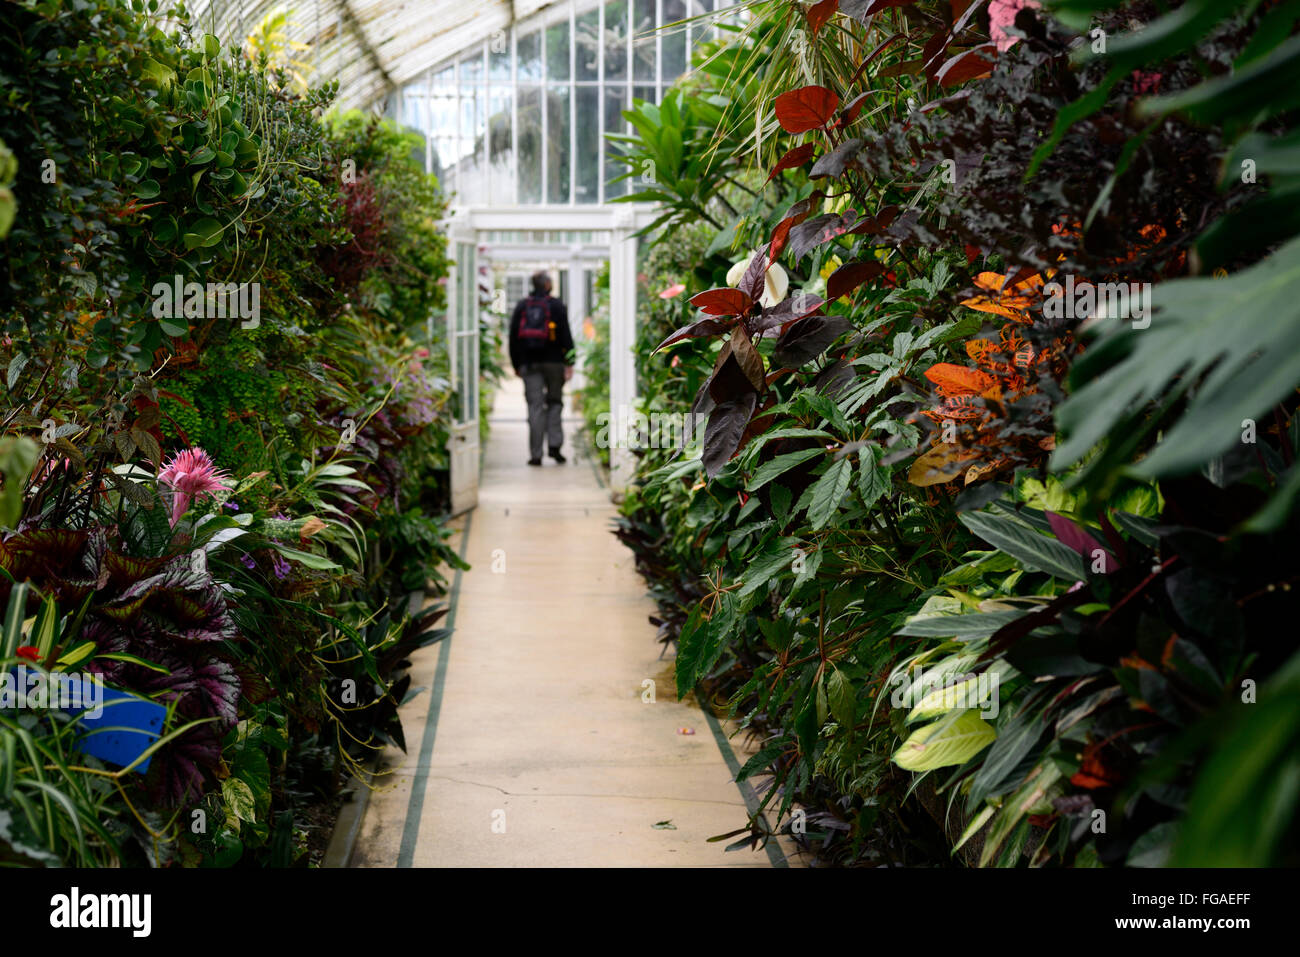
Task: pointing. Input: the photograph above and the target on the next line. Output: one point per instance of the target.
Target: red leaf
(794, 158)
(807, 108)
(821, 12)
(875, 225)
(966, 66)
(854, 108)
(722, 301)
(698, 328)
(795, 215)
(932, 54)
(850, 276)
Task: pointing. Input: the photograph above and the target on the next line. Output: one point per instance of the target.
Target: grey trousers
(543, 388)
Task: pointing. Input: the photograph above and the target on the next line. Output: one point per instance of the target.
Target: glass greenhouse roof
(373, 47)
(370, 46)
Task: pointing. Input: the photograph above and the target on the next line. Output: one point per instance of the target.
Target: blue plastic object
(127, 726)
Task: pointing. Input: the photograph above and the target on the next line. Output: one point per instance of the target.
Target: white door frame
(621, 221)
(462, 348)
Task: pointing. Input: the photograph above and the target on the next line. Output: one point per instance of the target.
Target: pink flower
(1002, 14)
(1146, 83)
(672, 292)
(190, 474)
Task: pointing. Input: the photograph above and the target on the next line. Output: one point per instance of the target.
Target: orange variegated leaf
(958, 380)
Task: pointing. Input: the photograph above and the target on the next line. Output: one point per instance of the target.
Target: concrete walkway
(531, 745)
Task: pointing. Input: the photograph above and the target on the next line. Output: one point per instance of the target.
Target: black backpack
(535, 327)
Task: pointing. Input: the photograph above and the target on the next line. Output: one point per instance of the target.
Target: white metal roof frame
(371, 47)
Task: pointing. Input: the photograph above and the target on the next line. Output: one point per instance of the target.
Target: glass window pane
(529, 56)
(557, 51)
(674, 41)
(587, 105)
(444, 81)
(702, 31)
(499, 56)
(643, 43)
(646, 93)
(471, 70)
(615, 103)
(413, 106)
(530, 144)
(558, 152)
(616, 40)
(587, 44)
(500, 145)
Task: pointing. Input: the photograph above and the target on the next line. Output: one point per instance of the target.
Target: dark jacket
(557, 350)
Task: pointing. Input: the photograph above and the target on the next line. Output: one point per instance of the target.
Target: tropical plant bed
(988, 307)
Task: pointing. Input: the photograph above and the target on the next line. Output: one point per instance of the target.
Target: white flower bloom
(775, 284)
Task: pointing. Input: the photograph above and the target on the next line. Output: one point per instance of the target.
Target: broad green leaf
(782, 463)
(776, 559)
(873, 478)
(961, 627)
(828, 492)
(1036, 552)
(945, 743)
(306, 558)
(1237, 335)
(239, 798)
(841, 698)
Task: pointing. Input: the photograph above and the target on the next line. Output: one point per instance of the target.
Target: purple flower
(247, 559)
(233, 506)
(280, 566)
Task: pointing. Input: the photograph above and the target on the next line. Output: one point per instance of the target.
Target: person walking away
(541, 351)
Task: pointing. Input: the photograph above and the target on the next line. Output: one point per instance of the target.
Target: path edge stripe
(775, 855)
(415, 806)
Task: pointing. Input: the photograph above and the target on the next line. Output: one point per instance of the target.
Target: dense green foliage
(220, 510)
(992, 583)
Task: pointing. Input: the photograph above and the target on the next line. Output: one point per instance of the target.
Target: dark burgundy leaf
(965, 66)
(807, 108)
(698, 328)
(729, 381)
(908, 68)
(819, 13)
(850, 112)
(788, 310)
(726, 426)
(820, 229)
(808, 338)
(877, 224)
(932, 53)
(837, 160)
(850, 276)
(835, 378)
(861, 9)
(793, 158)
(751, 283)
(795, 215)
(747, 357)
(722, 301)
